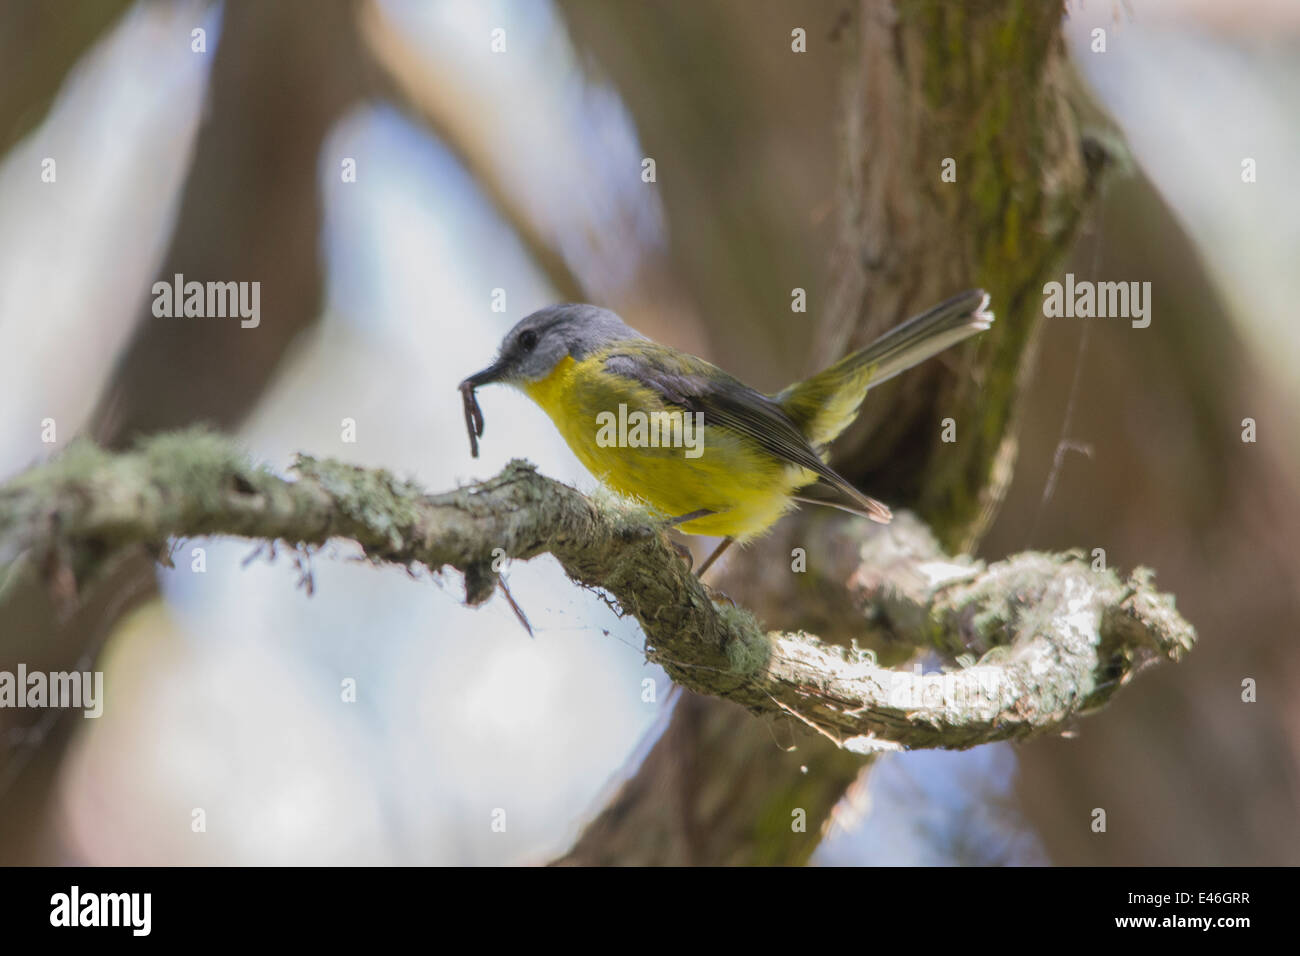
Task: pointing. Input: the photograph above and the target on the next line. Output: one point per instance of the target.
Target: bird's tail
(826, 404)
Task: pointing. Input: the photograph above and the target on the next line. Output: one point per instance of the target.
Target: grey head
(531, 350)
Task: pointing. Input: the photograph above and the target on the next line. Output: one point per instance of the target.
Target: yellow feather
(746, 463)
(747, 487)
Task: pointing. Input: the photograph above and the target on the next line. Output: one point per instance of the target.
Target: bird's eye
(527, 340)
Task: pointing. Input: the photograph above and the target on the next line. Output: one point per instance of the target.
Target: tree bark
(1054, 637)
(986, 85)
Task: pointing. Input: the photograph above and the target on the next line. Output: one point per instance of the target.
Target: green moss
(81, 461)
(751, 650)
(372, 497)
(188, 460)
(625, 511)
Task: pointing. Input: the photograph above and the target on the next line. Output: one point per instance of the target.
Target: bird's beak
(493, 373)
(474, 414)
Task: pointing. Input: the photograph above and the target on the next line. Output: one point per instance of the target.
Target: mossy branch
(1054, 636)
(988, 86)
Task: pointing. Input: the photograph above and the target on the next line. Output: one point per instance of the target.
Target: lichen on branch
(1041, 637)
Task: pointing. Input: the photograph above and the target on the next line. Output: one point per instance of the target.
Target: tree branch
(1056, 638)
(452, 113)
(988, 86)
(985, 87)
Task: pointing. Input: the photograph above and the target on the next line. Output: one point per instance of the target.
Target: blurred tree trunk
(284, 73)
(987, 86)
(39, 43)
(1174, 487)
(727, 111)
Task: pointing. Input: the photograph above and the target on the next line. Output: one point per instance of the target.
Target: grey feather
(730, 403)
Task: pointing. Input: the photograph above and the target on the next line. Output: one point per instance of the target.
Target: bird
(669, 429)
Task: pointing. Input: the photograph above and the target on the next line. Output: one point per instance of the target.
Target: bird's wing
(826, 495)
(826, 404)
(698, 386)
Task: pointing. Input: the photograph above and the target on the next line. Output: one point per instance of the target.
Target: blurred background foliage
(521, 171)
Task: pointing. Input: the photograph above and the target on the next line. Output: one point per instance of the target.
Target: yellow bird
(678, 433)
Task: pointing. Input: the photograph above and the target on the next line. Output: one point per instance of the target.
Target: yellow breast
(731, 475)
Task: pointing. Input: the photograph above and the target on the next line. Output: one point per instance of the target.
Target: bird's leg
(723, 545)
(682, 519)
(685, 552)
(680, 548)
